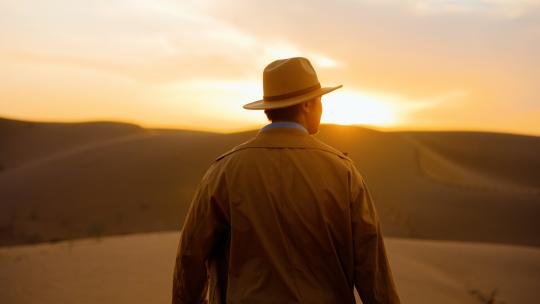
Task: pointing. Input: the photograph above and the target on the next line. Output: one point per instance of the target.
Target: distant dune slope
(509, 157)
(412, 204)
(138, 269)
(24, 141)
(443, 169)
(124, 179)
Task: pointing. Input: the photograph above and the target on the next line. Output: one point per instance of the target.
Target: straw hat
(287, 82)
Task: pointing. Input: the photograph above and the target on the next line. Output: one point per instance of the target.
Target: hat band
(293, 94)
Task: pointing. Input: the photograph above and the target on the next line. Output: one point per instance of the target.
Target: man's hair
(284, 114)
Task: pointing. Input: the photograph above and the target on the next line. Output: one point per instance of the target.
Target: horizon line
(254, 127)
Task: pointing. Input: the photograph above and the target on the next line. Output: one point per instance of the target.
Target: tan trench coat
(282, 218)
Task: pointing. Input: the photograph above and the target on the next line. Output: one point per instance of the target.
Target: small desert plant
(96, 230)
(55, 240)
(33, 238)
(486, 298)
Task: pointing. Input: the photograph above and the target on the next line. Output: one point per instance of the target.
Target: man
(283, 218)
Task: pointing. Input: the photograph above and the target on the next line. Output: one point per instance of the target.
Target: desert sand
(63, 181)
(138, 269)
(90, 212)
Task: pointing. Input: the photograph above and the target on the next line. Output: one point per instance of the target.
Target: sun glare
(347, 108)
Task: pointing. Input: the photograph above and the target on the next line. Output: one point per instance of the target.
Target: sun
(348, 108)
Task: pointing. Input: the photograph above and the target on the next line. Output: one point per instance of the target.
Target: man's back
(283, 218)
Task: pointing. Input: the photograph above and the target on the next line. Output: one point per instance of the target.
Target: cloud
(150, 41)
(491, 8)
(494, 8)
(388, 47)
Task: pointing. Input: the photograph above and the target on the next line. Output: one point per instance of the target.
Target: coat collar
(276, 138)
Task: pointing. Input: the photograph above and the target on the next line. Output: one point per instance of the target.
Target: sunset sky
(407, 64)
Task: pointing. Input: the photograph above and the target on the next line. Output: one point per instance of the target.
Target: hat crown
(286, 76)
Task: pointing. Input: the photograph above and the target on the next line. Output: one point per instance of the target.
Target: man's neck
(285, 124)
(299, 120)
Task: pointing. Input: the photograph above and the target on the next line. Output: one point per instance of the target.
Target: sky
(407, 64)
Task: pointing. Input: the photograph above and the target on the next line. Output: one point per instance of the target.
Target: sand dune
(131, 180)
(138, 269)
(24, 141)
(511, 158)
(70, 181)
(442, 169)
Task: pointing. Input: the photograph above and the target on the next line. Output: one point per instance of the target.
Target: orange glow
(193, 64)
(346, 108)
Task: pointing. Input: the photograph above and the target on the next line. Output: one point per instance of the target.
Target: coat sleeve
(372, 274)
(204, 226)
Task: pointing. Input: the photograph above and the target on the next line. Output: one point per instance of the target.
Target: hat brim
(268, 105)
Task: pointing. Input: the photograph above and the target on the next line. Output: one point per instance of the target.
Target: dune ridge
(83, 148)
(42, 139)
(442, 169)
